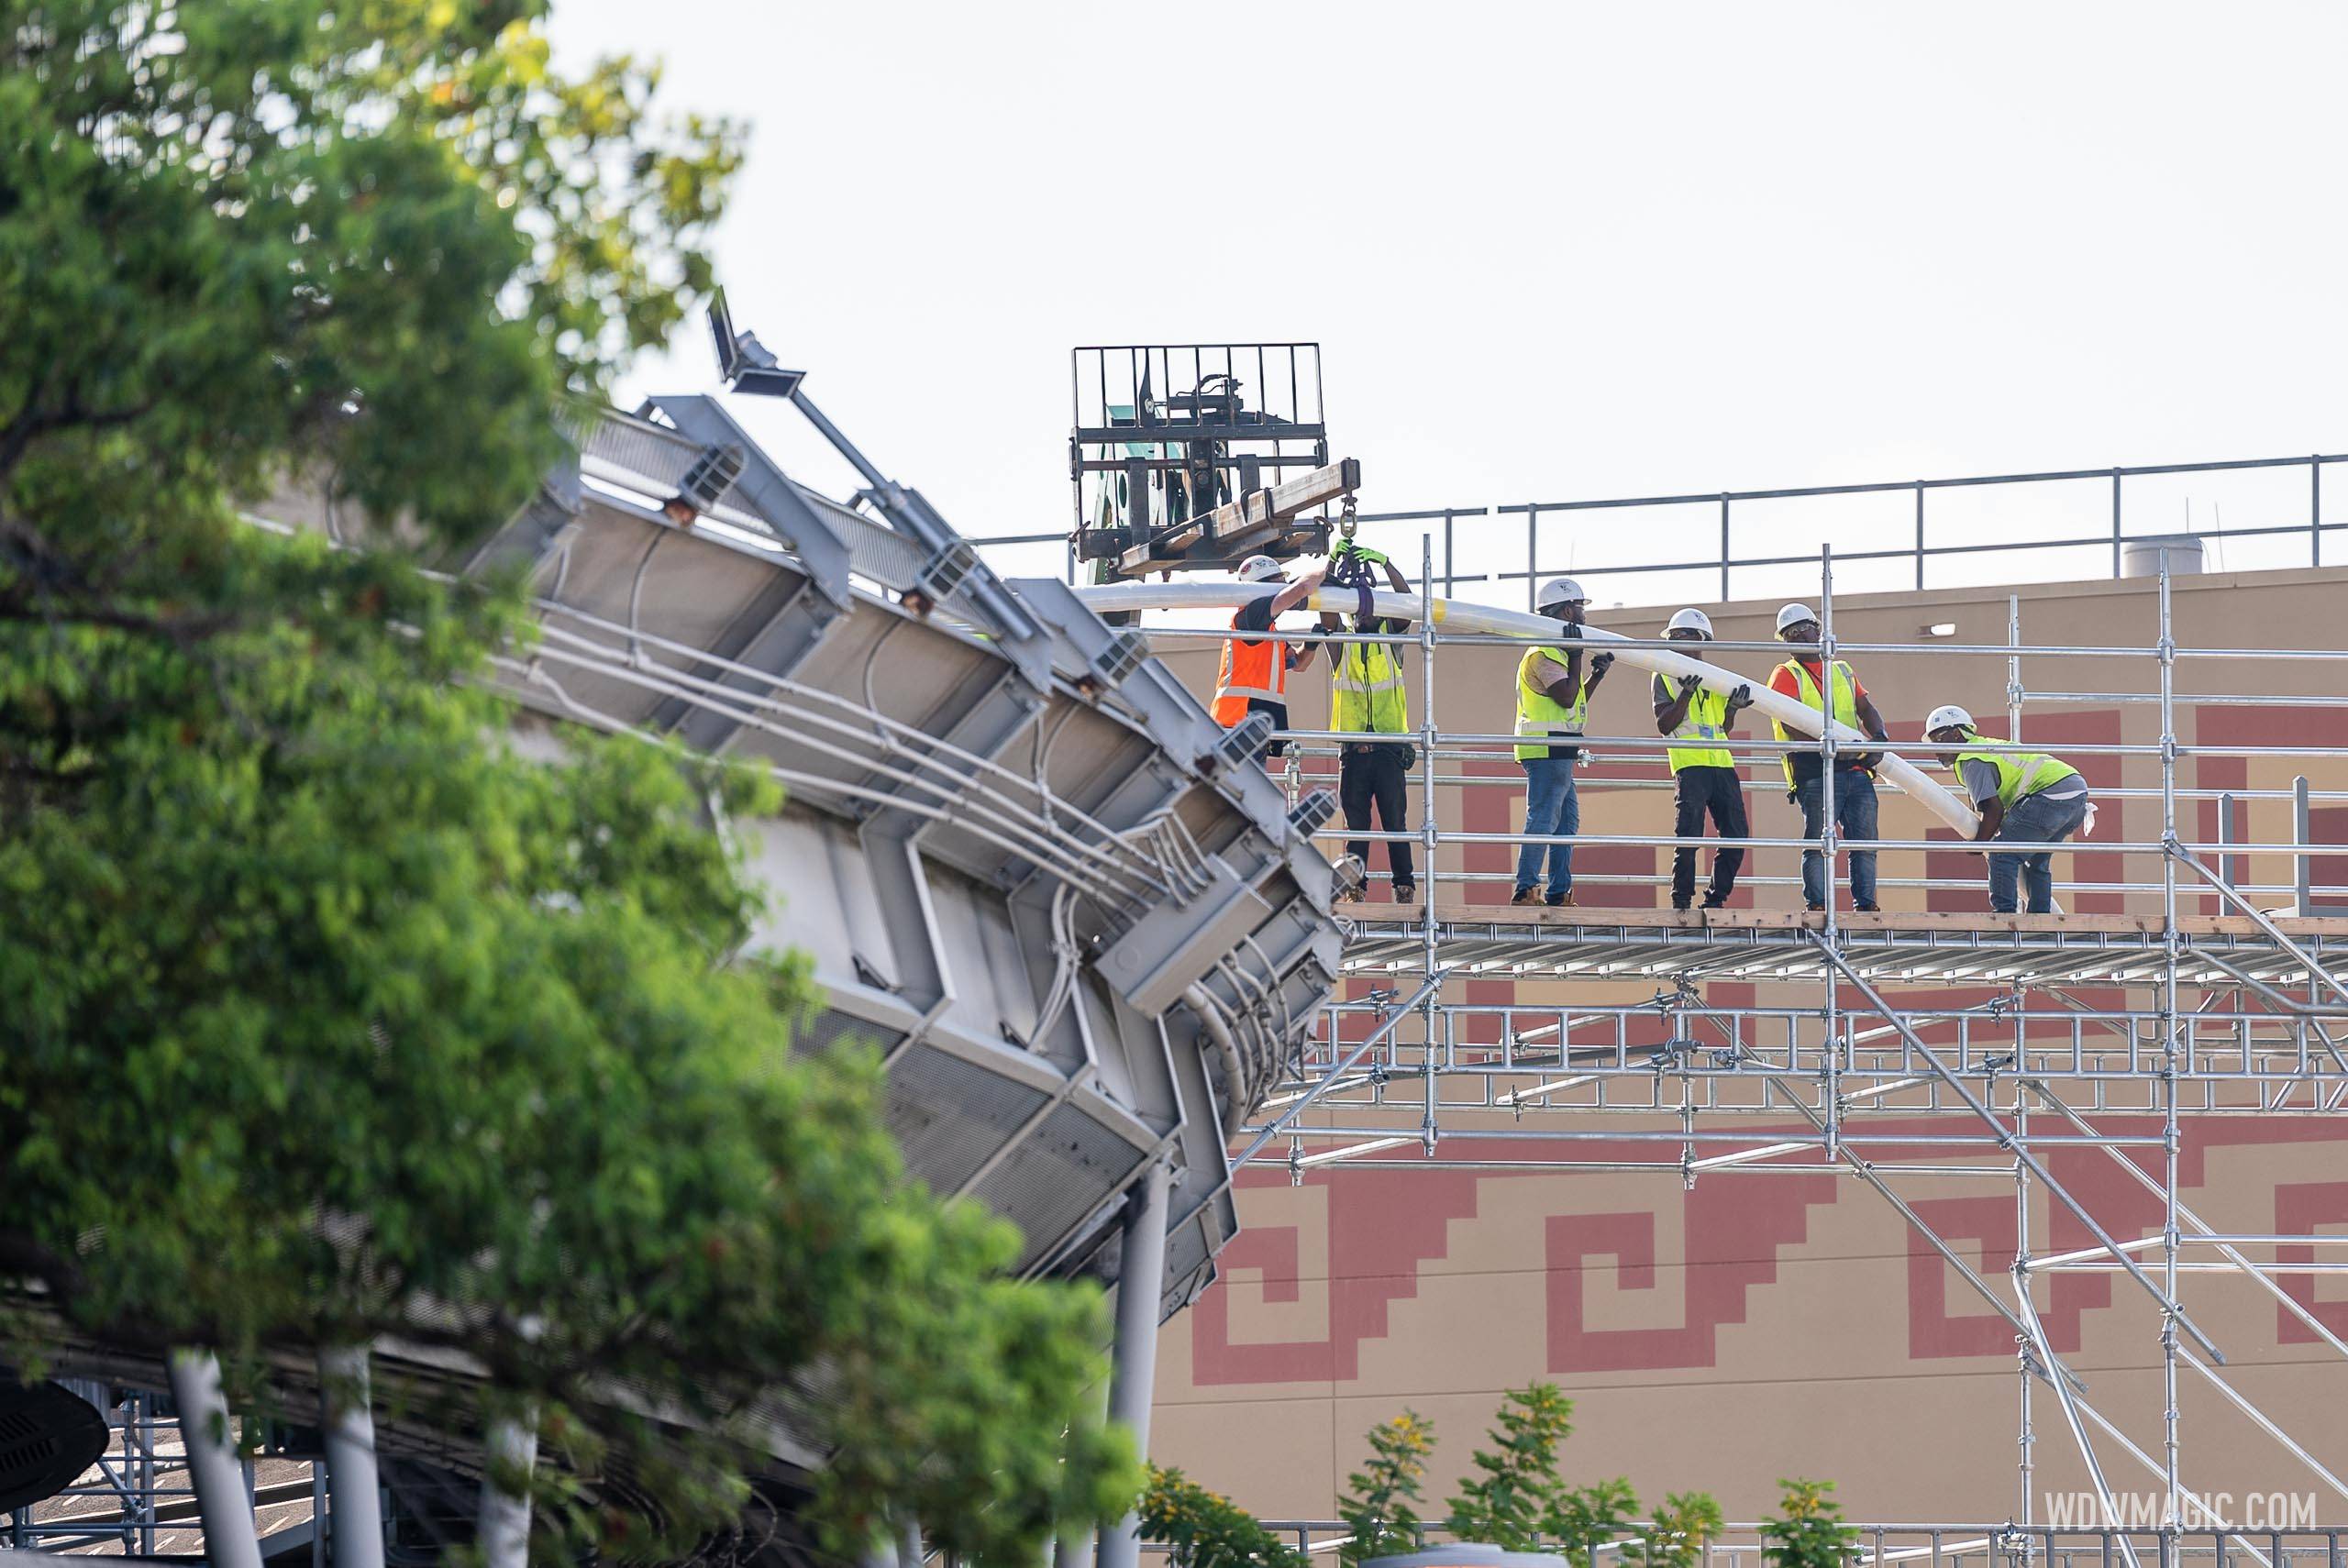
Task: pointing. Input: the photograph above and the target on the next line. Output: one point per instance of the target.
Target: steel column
(1141, 1282)
(347, 1424)
(231, 1539)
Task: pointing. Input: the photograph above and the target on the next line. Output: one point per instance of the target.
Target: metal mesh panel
(1058, 1175)
(948, 1116)
(829, 1029)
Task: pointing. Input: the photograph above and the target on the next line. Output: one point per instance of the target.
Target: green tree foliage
(1513, 1498)
(1206, 1529)
(1379, 1507)
(1508, 1499)
(1679, 1528)
(1807, 1531)
(1578, 1518)
(323, 1013)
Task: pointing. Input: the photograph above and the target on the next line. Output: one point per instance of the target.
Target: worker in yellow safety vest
(1552, 710)
(1253, 676)
(1703, 771)
(1366, 698)
(2025, 797)
(1804, 679)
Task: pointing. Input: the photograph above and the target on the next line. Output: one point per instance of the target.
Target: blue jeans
(2034, 820)
(1854, 818)
(1550, 807)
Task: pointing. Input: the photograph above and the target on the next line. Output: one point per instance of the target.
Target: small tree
(1514, 1500)
(1514, 1495)
(1808, 1531)
(1377, 1509)
(1206, 1529)
(1582, 1519)
(1683, 1524)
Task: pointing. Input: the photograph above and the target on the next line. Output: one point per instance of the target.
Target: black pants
(1702, 790)
(1374, 776)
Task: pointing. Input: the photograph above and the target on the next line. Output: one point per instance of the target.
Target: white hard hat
(1258, 569)
(1794, 616)
(1560, 590)
(1691, 619)
(1947, 716)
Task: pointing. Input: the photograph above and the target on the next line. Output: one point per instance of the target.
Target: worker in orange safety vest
(1253, 676)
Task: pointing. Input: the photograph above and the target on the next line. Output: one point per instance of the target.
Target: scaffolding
(2233, 1013)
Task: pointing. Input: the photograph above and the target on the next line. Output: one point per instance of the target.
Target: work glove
(1740, 700)
(1601, 663)
(1361, 553)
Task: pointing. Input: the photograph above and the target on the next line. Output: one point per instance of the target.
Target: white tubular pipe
(1461, 616)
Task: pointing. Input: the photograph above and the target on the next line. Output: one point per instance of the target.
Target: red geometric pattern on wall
(1733, 1240)
(1490, 808)
(2086, 726)
(1933, 1331)
(2299, 1208)
(1382, 1226)
(1641, 866)
(2232, 724)
(1385, 1225)
(2120, 1204)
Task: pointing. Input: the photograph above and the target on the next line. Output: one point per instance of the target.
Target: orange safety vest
(1250, 670)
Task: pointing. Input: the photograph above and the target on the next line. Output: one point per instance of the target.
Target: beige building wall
(1755, 1325)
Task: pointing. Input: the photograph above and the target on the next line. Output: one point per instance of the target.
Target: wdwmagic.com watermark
(2155, 1510)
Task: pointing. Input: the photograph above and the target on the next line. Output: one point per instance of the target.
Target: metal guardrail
(2007, 1545)
(1800, 549)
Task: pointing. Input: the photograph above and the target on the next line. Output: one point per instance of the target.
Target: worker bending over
(1802, 679)
(1253, 677)
(2025, 797)
(1703, 771)
(1366, 698)
(1552, 710)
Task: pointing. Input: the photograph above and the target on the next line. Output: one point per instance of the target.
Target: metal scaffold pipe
(1131, 596)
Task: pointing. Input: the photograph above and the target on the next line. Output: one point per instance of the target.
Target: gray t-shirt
(1980, 778)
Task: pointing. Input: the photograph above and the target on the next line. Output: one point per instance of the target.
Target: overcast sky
(1550, 252)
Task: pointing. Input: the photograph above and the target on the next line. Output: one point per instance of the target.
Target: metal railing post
(1724, 550)
(2229, 863)
(2115, 524)
(1532, 558)
(1920, 536)
(2302, 835)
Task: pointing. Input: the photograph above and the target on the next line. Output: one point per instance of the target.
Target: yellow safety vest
(1366, 691)
(2020, 772)
(1847, 703)
(1538, 713)
(1706, 719)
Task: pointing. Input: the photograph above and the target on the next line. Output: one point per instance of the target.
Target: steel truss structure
(2240, 1013)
